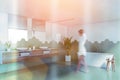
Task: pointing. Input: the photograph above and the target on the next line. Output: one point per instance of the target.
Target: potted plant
(67, 43)
(8, 45)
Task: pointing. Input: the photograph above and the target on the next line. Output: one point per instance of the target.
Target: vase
(68, 58)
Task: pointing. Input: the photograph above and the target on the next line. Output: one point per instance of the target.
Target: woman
(108, 64)
(81, 50)
(113, 64)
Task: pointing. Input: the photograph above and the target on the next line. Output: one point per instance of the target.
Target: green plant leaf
(67, 43)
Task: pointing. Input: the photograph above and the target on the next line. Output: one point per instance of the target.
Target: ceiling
(66, 12)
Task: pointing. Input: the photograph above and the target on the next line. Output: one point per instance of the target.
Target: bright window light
(40, 36)
(15, 35)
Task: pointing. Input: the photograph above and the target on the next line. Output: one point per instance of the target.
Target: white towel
(24, 54)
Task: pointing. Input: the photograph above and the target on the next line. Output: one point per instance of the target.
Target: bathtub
(98, 59)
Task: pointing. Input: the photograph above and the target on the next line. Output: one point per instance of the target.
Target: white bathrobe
(81, 47)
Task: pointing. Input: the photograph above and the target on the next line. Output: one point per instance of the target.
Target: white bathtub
(97, 59)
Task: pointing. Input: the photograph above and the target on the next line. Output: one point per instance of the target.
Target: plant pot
(8, 49)
(68, 58)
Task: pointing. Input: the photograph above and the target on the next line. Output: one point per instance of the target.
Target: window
(15, 35)
(40, 35)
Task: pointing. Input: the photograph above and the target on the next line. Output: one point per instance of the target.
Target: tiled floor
(59, 71)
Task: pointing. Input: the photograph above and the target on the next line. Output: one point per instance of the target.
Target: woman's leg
(85, 64)
(113, 67)
(107, 66)
(79, 62)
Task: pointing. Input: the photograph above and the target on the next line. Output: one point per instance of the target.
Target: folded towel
(24, 54)
(46, 52)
